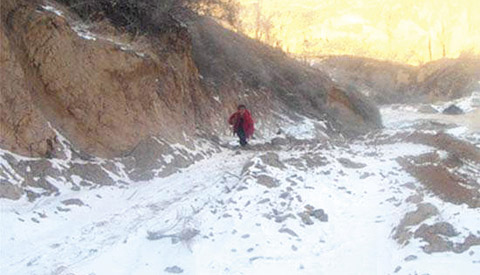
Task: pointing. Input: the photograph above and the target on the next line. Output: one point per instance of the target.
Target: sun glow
(407, 31)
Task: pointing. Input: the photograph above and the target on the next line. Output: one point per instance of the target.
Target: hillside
(118, 93)
(387, 82)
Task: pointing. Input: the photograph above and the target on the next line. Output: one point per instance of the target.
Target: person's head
(241, 109)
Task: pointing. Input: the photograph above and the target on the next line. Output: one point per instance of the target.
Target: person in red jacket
(243, 125)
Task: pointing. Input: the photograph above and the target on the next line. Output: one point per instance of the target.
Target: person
(243, 125)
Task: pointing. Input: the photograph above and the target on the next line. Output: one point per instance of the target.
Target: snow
(168, 158)
(235, 234)
(83, 32)
(53, 9)
(305, 128)
(467, 104)
(215, 217)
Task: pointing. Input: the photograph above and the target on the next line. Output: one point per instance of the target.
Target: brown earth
(442, 141)
(443, 177)
(437, 178)
(106, 100)
(458, 148)
(23, 127)
(94, 92)
(453, 178)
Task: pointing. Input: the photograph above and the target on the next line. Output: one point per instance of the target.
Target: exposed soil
(107, 94)
(438, 179)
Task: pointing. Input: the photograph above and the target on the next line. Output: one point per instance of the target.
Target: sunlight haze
(409, 31)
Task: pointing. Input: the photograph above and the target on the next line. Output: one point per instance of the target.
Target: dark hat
(241, 106)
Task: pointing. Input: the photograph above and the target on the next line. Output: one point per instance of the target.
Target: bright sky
(408, 31)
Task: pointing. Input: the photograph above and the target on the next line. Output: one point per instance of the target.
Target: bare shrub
(147, 16)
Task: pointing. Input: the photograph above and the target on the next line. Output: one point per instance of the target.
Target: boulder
(453, 110)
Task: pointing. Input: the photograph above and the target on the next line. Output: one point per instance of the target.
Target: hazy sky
(410, 31)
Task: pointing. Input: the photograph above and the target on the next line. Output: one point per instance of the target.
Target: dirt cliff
(106, 91)
(102, 97)
(23, 127)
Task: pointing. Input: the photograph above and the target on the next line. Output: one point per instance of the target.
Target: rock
(418, 198)
(350, 164)
(278, 141)
(427, 109)
(76, 202)
(309, 208)
(441, 228)
(91, 172)
(267, 181)
(10, 191)
(263, 201)
(247, 167)
(315, 160)
(423, 212)
(320, 215)
(469, 241)
(156, 235)
(61, 209)
(437, 244)
(288, 231)
(282, 218)
(366, 175)
(432, 234)
(305, 216)
(188, 234)
(356, 111)
(411, 258)
(174, 269)
(272, 159)
(150, 155)
(453, 110)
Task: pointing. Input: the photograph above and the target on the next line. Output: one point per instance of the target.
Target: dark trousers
(242, 136)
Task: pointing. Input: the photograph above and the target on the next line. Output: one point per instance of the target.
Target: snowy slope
(256, 211)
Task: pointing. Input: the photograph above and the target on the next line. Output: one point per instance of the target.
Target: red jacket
(247, 123)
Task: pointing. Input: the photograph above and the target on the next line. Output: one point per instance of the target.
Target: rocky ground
(403, 200)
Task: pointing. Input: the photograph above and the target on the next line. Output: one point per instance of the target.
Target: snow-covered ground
(465, 126)
(302, 208)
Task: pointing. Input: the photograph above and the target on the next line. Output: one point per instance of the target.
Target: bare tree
(444, 37)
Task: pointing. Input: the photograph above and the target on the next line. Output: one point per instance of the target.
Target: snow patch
(53, 9)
